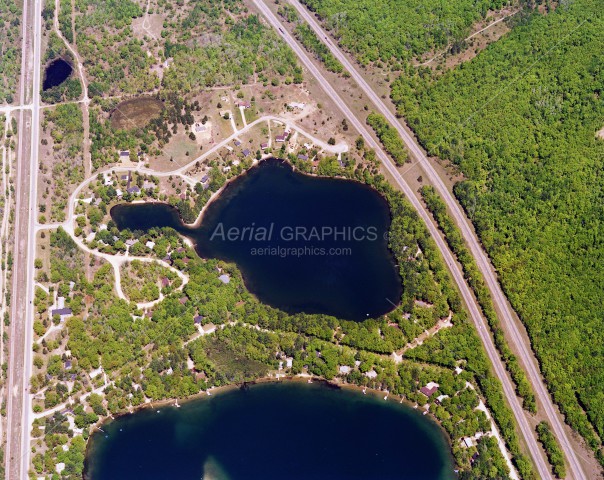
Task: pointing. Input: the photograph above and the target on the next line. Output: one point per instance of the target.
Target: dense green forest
(520, 120)
(10, 49)
(399, 30)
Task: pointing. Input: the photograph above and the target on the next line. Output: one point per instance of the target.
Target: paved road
(481, 326)
(506, 314)
(19, 404)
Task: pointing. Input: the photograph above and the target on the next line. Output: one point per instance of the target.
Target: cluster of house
(130, 188)
(125, 155)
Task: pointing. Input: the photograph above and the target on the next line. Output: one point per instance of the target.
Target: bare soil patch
(135, 113)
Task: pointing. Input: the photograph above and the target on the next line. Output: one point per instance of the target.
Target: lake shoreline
(329, 214)
(301, 379)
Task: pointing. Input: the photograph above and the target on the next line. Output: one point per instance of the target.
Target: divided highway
(19, 366)
(505, 312)
(482, 329)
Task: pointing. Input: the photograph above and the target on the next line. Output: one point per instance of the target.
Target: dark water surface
(273, 431)
(56, 73)
(303, 244)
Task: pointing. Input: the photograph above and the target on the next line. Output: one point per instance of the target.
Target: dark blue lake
(303, 244)
(56, 73)
(274, 431)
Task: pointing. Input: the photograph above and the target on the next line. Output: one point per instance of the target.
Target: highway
(482, 329)
(506, 314)
(20, 361)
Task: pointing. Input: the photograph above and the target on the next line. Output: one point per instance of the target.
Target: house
(118, 192)
(61, 312)
(458, 370)
(289, 362)
(208, 328)
(134, 190)
(246, 152)
(67, 365)
(148, 185)
(440, 398)
(371, 374)
(108, 181)
(125, 177)
(150, 245)
(237, 143)
(244, 104)
(131, 241)
(296, 105)
(302, 157)
(264, 146)
(198, 319)
(280, 138)
(235, 162)
(341, 162)
(467, 442)
(429, 389)
(200, 128)
(183, 300)
(344, 369)
(224, 279)
(124, 154)
(205, 179)
(165, 282)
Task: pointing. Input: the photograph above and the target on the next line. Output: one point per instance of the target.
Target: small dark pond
(56, 73)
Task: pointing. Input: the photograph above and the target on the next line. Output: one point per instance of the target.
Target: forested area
(10, 49)
(115, 61)
(242, 49)
(520, 120)
(393, 31)
(65, 167)
(143, 281)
